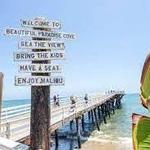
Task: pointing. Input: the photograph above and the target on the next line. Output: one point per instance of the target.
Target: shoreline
(104, 144)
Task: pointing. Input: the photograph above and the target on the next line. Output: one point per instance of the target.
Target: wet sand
(93, 144)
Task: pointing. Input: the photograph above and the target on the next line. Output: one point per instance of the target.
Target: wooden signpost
(45, 47)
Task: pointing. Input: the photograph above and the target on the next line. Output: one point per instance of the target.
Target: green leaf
(141, 132)
(145, 83)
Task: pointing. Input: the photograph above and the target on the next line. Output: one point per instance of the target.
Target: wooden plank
(35, 44)
(39, 80)
(38, 56)
(39, 34)
(40, 23)
(39, 68)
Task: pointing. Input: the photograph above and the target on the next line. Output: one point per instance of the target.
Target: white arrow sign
(37, 56)
(39, 34)
(41, 24)
(39, 81)
(39, 68)
(35, 44)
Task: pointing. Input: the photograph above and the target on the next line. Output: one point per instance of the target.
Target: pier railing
(15, 121)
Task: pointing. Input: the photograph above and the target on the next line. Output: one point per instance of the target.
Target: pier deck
(15, 121)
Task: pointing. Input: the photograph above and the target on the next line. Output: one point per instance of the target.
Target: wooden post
(78, 133)
(1, 89)
(56, 138)
(40, 117)
(120, 97)
(118, 102)
(105, 109)
(40, 111)
(82, 120)
(112, 105)
(108, 108)
(89, 115)
(99, 112)
(96, 121)
(92, 116)
(103, 113)
(115, 103)
(71, 125)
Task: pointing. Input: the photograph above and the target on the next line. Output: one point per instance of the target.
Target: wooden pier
(15, 121)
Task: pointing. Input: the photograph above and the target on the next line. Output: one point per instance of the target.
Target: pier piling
(99, 112)
(113, 107)
(89, 115)
(82, 121)
(56, 138)
(92, 116)
(78, 133)
(108, 108)
(71, 125)
(96, 121)
(103, 113)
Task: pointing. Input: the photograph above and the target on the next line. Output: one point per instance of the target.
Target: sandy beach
(102, 144)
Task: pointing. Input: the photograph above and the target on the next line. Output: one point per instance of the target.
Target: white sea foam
(108, 139)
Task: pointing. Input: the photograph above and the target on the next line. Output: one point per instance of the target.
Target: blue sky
(112, 42)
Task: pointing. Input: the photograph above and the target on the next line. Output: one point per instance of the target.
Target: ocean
(12, 103)
(119, 126)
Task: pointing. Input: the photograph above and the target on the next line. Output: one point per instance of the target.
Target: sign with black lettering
(37, 56)
(35, 44)
(39, 68)
(39, 81)
(39, 34)
(40, 23)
